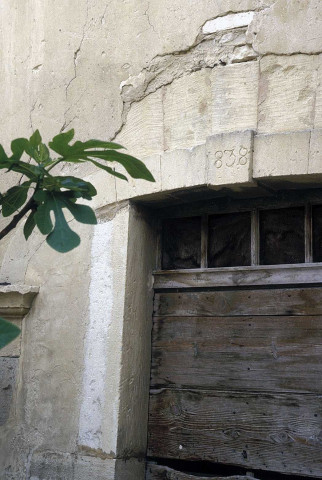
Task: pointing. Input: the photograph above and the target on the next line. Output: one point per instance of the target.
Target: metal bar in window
(255, 237)
(308, 234)
(204, 241)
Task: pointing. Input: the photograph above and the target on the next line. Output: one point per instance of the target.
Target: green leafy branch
(44, 197)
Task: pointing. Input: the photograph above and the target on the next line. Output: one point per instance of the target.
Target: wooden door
(236, 379)
(236, 369)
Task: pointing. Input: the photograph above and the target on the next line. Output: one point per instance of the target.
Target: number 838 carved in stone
(229, 158)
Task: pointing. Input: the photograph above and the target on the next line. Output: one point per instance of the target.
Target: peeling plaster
(207, 51)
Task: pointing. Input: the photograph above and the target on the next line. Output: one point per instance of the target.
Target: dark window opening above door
(258, 236)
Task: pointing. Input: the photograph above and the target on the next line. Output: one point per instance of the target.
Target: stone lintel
(15, 303)
(232, 160)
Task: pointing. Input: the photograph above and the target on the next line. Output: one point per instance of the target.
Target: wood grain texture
(287, 301)
(280, 432)
(239, 276)
(159, 472)
(278, 354)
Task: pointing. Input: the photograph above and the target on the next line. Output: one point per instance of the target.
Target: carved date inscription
(231, 157)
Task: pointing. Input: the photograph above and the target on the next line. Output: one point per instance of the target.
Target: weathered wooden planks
(158, 472)
(239, 276)
(278, 354)
(281, 432)
(287, 301)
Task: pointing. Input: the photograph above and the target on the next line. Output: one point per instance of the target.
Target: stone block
(287, 91)
(288, 26)
(227, 22)
(142, 133)
(315, 154)
(184, 168)
(132, 469)
(187, 117)
(281, 155)
(234, 97)
(88, 467)
(136, 187)
(51, 466)
(318, 100)
(230, 158)
(8, 373)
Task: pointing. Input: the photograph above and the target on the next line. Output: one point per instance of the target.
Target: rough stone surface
(315, 153)
(234, 97)
(184, 168)
(96, 468)
(318, 99)
(187, 116)
(288, 27)
(230, 158)
(287, 93)
(206, 52)
(8, 373)
(281, 154)
(50, 465)
(143, 132)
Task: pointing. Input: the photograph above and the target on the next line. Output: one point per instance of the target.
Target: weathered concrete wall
(209, 94)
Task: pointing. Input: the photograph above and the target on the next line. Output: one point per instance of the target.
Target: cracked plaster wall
(176, 82)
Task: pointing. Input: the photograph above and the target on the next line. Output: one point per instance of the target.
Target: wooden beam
(239, 276)
(228, 303)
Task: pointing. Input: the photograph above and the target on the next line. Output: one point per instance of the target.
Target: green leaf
(62, 238)
(31, 171)
(8, 332)
(69, 183)
(60, 142)
(81, 213)
(44, 156)
(14, 199)
(108, 169)
(132, 165)
(42, 215)
(3, 157)
(29, 225)
(82, 146)
(18, 146)
(35, 139)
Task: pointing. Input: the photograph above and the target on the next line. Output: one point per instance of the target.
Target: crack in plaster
(146, 14)
(75, 60)
(102, 19)
(30, 115)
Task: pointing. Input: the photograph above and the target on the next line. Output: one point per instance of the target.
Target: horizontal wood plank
(280, 433)
(279, 354)
(239, 276)
(159, 472)
(283, 301)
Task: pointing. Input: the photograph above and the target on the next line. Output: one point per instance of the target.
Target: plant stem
(16, 219)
